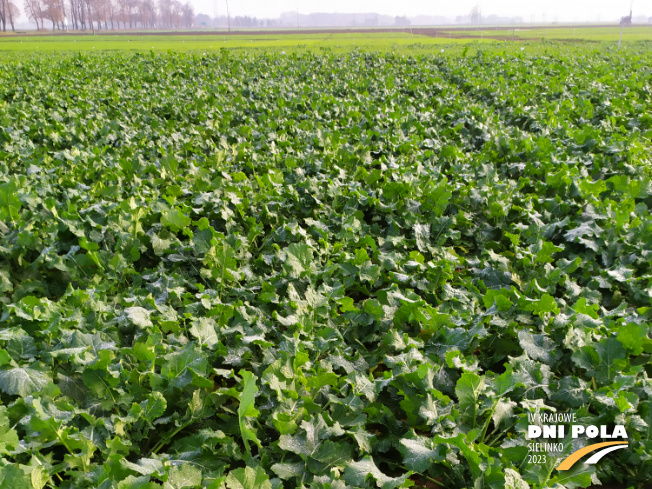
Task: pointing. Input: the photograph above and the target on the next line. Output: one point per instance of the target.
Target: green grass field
(344, 41)
(369, 41)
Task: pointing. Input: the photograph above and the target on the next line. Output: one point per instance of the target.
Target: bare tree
(7, 13)
(34, 12)
(187, 14)
(176, 21)
(111, 6)
(61, 7)
(148, 13)
(124, 12)
(3, 15)
(77, 14)
(14, 12)
(52, 12)
(165, 12)
(102, 14)
(90, 16)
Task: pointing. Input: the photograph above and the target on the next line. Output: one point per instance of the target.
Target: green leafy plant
(328, 271)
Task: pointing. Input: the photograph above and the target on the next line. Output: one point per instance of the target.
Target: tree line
(96, 15)
(8, 12)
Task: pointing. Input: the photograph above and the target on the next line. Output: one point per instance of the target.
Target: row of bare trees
(108, 14)
(8, 12)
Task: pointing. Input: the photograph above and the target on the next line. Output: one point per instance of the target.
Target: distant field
(331, 41)
(575, 33)
(418, 38)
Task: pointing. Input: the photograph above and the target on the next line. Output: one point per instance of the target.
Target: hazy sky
(560, 10)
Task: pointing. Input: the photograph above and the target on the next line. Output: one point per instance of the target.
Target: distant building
(371, 20)
(401, 21)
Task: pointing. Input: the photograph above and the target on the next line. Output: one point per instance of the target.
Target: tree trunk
(38, 15)
(90, 18)
(64, 25)
(72, 15)
(3, 16)
(11, 18)
(82, 15)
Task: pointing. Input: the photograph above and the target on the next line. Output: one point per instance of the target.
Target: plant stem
(486, 424)
(169, 437)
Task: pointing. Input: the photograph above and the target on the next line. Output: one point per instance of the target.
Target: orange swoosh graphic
(569, 461)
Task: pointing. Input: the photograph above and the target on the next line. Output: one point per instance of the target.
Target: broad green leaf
(422, 236)
(8, 436)
(288, 470)
(572, 391)
(539, 347)
(476, 465)
(39, 477)
(246, 408)
(178, 366)
(222, 263)
(504, 411)
(602, 360)
(23, 381)
(468, 390)
(333, 453)
(547, 249)
(4, 358)
(204, 329)
(298, 259)
(499, 297)
(182, 477)
(248, 478)
(175, 219)
(13, 477)
(543, 305)
(436, 197)
(513, 480)
(356, 473)
(420, 453)
(9, 202)
(134, 482)
(154, 406)
(634, 337)
(139, 316)
(5, 281)
(145, 466)
(579, 476)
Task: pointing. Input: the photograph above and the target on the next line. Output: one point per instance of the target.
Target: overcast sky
(559, 10)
